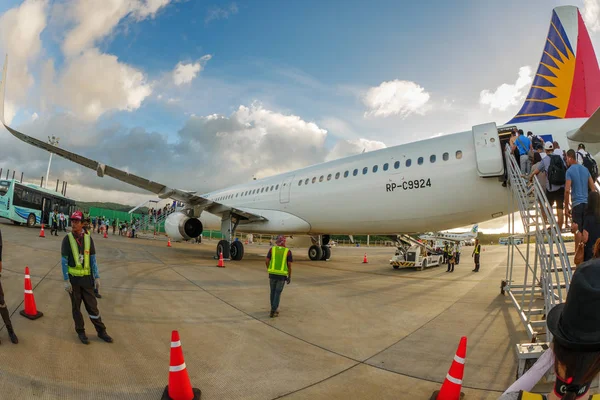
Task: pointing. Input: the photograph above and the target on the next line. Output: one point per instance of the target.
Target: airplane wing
(163, 191)
(589, 132)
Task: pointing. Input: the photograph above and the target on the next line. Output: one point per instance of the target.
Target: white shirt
(581, 153)
(559, 152)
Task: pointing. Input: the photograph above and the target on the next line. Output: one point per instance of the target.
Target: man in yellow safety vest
(476, 254)
(80, 272)
(279, 265)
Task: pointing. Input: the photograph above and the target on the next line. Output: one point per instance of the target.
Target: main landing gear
(320, 250)
(231, 250)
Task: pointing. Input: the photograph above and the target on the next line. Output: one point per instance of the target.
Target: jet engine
(179, 226)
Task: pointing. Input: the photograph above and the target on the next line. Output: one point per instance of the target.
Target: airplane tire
(396, 266)
(223, 247)
(326, 253)
(315, 253)
(237, 251)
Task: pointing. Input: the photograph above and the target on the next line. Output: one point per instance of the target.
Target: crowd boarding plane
(455, 237)
(397, 189)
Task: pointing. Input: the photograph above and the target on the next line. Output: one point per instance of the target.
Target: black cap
(575, 324)
(581, 146)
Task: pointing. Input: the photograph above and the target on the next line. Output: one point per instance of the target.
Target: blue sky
(273, 51)
(312, 74)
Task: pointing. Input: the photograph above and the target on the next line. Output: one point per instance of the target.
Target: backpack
(557, 171)
(536, 141)
(591, 165)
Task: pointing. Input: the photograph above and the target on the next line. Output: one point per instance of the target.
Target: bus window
(4, 186)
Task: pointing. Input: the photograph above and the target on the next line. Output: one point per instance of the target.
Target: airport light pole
(53, 141)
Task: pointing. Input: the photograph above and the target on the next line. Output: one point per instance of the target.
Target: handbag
(579, 253)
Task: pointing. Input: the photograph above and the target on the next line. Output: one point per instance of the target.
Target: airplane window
(432, 158)
(237, 194)
(306, 181)
(314, 179)
(375, 168)
(408, 162)
(385, 166)
(329, 177)
(337, 175)
(420, 160)
(397, 165)
(300, 182)
(321, 178)
(272, 187)
(446, 156)
(262, 190)
(459, 154)
(346, 174)
(355, 172)
(365, 170)
(277, 187)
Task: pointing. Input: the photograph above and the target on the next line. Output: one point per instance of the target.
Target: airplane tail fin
(475, 228)
(567, 81)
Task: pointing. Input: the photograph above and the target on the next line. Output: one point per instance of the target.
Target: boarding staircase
(545, 280)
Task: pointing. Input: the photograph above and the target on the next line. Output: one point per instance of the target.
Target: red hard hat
(77, 215)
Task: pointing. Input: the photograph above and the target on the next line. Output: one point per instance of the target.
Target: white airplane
(428, 185)
(455, 237)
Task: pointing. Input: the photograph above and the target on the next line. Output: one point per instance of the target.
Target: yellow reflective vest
(278, 264)
(79, 269)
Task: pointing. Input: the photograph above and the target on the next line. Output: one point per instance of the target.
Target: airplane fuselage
(432, 184)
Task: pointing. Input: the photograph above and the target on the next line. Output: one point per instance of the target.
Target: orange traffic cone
(452, 384)
(42, 232)
(169, 243)
(179, 387)
(221, 263)
(30, 310)
(105, 235)
(365, 259)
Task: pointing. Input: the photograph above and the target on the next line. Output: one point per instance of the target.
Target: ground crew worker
(457, 253)
(3, 308)
(451, 258)
(446, 252)
(476, 254)
(54, 227)
(79, 269)
(279, 265)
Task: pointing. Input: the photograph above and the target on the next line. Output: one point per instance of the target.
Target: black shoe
(272, 314)
(104, 336)
(84, 339)
(13, 337)
(98, 295)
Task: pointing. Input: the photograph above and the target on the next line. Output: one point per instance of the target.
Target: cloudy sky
(204, 94)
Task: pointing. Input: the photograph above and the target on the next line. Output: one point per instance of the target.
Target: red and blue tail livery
(567, 81)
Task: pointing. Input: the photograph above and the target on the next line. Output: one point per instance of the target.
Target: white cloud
(395, 97)
(95, 20)
(9, 111)
(185, 73)
(345, 148)
(34, 116)
(94, 83)
(591, 14)
(20, 30)
(507, 95)
(221, 13)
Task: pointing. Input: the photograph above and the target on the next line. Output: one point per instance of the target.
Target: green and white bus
(25, 203)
